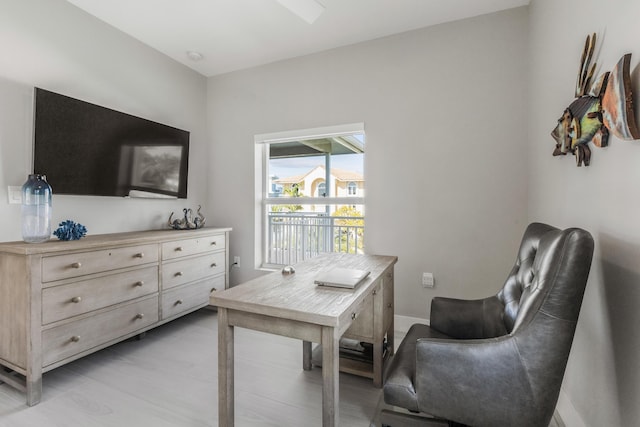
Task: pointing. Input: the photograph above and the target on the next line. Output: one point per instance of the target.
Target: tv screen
(86, 149)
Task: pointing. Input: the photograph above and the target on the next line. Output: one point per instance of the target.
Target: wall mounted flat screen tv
(86, 149)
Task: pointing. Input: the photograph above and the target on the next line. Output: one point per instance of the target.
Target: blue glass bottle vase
(36, 209)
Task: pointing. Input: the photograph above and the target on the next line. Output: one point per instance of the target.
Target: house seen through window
(314, 197)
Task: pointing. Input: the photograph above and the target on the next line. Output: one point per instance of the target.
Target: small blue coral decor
(69, 230)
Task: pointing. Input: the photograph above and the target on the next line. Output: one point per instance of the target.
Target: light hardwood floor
(169, 379)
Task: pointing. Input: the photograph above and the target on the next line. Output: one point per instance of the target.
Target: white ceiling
(237, 34)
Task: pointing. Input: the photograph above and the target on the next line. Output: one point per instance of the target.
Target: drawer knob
(76, 265)
(179, 249)
(139, 255)
(139, 283)
(139, 315)
(214, 243)
(214, 265)
(213, 289)
(75, 338)
(178, 274)
(179, 302)
(76, 299)
(390, 305)
(353, 316)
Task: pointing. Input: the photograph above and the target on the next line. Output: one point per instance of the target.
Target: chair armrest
(475, 382)
(468, 319)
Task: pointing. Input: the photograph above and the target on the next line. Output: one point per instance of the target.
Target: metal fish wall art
(601, 107)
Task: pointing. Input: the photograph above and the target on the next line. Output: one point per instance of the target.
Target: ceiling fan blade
(308, 10)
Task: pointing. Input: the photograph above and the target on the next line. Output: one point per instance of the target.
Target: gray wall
(602, 381)
(445, 162)
(53, 45)
(452, 174)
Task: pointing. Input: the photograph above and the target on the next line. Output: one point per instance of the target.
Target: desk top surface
(297, 297)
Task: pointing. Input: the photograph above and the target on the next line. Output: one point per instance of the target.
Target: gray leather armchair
(497, 361)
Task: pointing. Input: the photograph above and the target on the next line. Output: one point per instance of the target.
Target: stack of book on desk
(351, 349)
(356, 350)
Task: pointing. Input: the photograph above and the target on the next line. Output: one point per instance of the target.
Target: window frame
(352, 185)
(323, 185)
(262, 184)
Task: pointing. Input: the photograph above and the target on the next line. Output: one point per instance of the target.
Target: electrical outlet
(236, 261)
(427, 280)
(14, 195)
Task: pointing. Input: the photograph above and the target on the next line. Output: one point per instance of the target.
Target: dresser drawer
(61, 302)
(217, 283)
(186, 247)
(184, 298)
(72, 338)
(83, 263)
(192, 269)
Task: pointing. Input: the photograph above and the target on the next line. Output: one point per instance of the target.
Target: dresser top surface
(96, 241)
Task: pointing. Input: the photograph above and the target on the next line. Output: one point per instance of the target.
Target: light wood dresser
(60, 301)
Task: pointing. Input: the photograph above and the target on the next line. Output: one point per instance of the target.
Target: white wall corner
(568, 414)
(403, 323)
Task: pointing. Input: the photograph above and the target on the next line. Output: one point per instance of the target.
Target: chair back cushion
(550, 273)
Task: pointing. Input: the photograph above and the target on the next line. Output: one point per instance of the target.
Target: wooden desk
(293, 306)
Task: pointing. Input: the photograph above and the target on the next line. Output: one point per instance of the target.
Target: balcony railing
(294, 237)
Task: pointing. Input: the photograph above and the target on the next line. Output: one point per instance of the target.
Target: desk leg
(377, 364)
(330, 377)
(225, 370)
(390, 342)
(306, 355)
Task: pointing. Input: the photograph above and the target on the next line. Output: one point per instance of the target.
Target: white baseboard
(568, 414)
(403, 323)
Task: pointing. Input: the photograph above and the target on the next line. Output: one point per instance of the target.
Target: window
(304, 181)
(322, 190)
